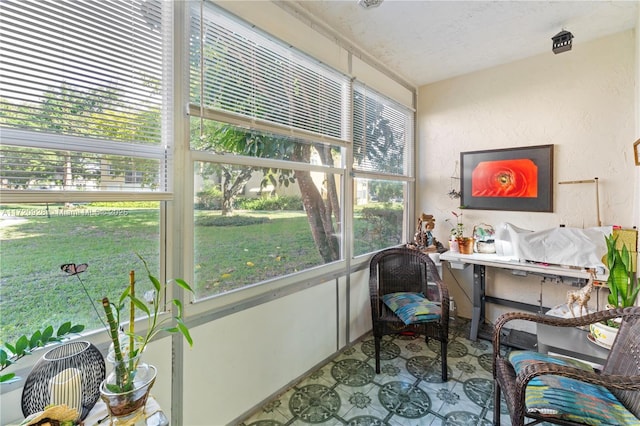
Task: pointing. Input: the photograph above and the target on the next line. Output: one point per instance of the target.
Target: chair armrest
(550, 320)
(547, 320)
(609, 381)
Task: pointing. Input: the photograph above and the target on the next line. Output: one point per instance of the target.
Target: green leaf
(35, 340)
(155, 282)
(179, 306)
(7, 377)
(76, 328)
(185, 332)
(113, 388)
(21, 346)
(3, 356)
(47, 333)
(11, 348)
(182, 283)
(123, 297)
(140, 305)
(64, 329)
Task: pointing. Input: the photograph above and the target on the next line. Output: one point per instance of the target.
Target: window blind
(240, 70)
(382, 133)
(84, 86)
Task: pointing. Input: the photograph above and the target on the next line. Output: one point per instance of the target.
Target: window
(382, 141)
(274, 207)
(85, 152)
(37, 238)
(87, 156)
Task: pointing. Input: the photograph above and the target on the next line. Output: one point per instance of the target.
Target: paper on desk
(559, 246)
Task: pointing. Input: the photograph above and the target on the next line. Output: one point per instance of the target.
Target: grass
(231, 257)
(229, 253)
(34, 292)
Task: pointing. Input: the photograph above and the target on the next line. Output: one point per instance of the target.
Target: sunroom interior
(253, 340)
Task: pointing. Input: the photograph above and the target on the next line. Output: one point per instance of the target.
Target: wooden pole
(132, 314)
(594, 180)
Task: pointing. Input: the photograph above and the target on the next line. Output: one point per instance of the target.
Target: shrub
(383, 224)
(125, 204)
(209, 199)
(230, 220)
(284, 202)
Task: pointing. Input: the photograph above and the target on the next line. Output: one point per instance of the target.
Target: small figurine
(423, 239)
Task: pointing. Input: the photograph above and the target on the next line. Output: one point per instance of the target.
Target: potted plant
(126, 388)
(457, 238)
(623, 288)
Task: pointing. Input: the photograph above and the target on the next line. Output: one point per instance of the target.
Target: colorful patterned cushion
(412, 307)
(567, 398)
(520, 359)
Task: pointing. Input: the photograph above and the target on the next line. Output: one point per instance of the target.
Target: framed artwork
(518, 179)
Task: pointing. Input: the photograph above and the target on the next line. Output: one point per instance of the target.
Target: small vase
(126, 408)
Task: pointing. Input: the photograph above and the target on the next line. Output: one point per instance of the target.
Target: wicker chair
(620, 373)
(407, 270)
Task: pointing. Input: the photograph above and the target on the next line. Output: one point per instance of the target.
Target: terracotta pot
(465, 245)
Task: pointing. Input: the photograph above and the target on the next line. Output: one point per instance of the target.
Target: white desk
(481, 261)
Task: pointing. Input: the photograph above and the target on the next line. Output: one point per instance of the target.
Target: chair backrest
(624, 357)
(402, 269)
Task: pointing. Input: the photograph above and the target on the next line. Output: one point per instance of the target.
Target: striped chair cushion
(412, 307)
(567, 398)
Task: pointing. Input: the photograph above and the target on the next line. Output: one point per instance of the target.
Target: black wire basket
(69, 374)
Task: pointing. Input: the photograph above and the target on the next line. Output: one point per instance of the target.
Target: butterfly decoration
(73, 269)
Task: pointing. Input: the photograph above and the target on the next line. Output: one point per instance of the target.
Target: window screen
(82, 87)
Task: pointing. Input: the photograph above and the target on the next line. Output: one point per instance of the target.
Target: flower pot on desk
(465, 245)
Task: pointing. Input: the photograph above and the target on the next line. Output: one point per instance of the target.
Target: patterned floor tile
(407, 392)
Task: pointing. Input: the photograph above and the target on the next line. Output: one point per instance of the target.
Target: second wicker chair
(406, 270)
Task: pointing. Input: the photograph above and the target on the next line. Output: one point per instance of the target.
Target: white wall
(582, 101)
(241, 359)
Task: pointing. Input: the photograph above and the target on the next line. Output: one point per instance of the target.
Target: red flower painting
(516, 178)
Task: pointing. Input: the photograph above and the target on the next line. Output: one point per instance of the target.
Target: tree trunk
(319, 217)
(332, 191)
(232, 183)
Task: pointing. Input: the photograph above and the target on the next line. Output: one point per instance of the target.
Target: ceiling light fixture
(562, 41)
(368, 4)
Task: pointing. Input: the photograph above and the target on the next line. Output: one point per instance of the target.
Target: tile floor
(408, 391)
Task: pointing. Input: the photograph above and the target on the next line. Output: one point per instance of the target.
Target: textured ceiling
(427, 41)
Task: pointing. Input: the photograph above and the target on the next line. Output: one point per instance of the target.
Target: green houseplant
(464, 244)
(12, 352)
(623, 288)
(126, 388)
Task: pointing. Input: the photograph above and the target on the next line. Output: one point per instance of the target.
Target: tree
(228, 72)
(96, 112)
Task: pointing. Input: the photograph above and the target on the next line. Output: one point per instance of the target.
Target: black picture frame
(514, 179)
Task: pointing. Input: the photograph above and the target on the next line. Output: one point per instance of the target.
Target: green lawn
(229, 257)
(34, 292)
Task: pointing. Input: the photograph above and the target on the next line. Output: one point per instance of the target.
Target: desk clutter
(562, 246)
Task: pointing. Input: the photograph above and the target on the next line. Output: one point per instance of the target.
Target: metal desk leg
(477, 315)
